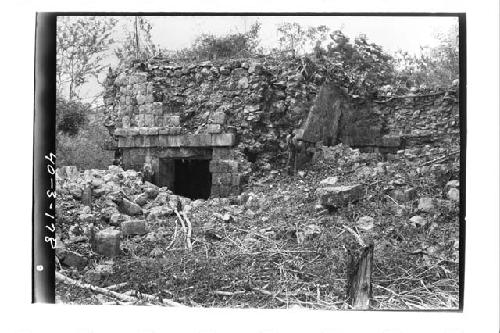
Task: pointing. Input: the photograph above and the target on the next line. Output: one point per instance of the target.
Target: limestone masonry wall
(242, 107)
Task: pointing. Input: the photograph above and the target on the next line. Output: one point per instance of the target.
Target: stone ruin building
(200, 125)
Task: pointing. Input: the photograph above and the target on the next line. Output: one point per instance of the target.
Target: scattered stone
(156, 252)
(71, 259)
(404, 195)
(117, 219)
(130, 208)
(454, 194)
(141, 199)
(418, 221)
(426, 205)
(453, 184)
(137, 227)
(365, 223)
(330, 181)
(159, 212)
(152, 191)
(107, 242)
(339, 195)
(99, 273)
(76, 192)
(310, 232)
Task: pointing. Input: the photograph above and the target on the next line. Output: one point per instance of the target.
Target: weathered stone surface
(214, 128)
(107, 242)
(67, 172)
(159, 212)
(330, 181)
(130, 208)
(99, 273)
(338, 196)
(137, 227)
(117, 219)
(391, 141)
(71, 259)
(453, 194)
(426, 205)
(218, 117)
(224, 139)
(453, 184)
(418, 221)
(365, 222)
(141, 199)
(401, 195)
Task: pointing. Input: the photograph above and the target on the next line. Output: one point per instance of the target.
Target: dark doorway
(192, 178)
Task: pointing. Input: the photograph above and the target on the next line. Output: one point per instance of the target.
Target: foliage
(85, 149)
(434, 67)
(361, 67)
(81, 42)
(138, 43)
(294, 38)
(209, 46)
(70, 116)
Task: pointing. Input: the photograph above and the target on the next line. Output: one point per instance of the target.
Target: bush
(209, 46)
(70, 116)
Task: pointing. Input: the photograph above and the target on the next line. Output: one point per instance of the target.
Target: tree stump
(360, 272)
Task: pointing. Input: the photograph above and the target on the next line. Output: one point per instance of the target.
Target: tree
(70, 116)
(138, 43)
(294, 38)
(434, 67)
(81, 42)
(361, 67)
(209, 46)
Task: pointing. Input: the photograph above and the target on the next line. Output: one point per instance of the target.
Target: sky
(391, 32)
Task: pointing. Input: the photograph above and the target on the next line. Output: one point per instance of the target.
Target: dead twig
(356, 235)
(189, 231)
(174, 237)
(117, 286)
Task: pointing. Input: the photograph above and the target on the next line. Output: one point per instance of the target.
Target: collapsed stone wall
(258, 99)
(242, 110)
(423, 118)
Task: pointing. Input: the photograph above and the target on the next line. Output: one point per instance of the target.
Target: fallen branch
(189, 230)
(152, 298)
(125, 297)
(117, 286)
(173, 237)
(110, 293)
(227, 293)
(183, 225)
(440, 159)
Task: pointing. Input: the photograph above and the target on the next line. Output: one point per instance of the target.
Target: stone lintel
(151, 138)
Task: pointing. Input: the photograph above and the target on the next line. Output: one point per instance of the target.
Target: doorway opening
(192, 178)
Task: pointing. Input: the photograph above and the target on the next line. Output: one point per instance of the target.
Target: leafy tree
(361, 67)
(138, 43)
(433, 67)
(294, 37)
(209, 46)
(70, 116)
(81, 42)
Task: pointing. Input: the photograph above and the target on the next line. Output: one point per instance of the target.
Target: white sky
(393, 33)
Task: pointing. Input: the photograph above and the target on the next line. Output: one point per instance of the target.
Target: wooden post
(360, 284)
